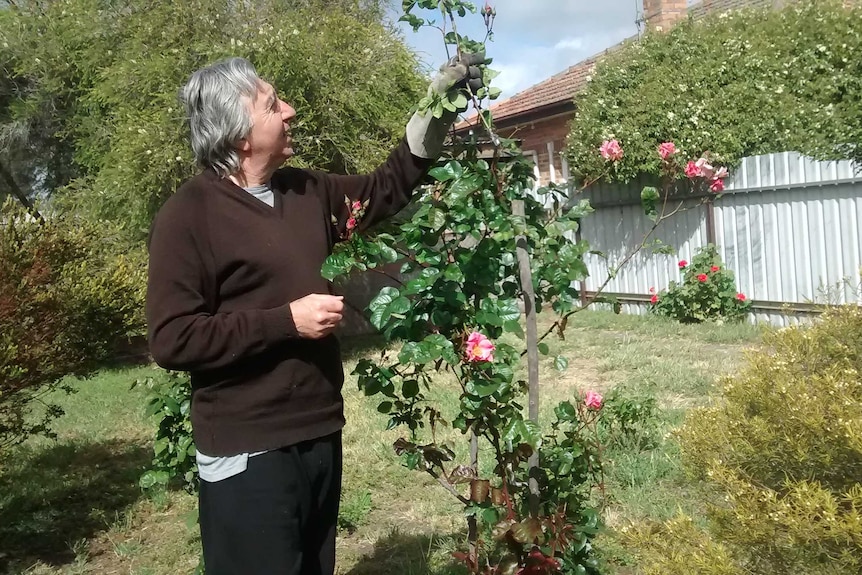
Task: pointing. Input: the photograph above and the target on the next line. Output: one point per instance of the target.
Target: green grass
(73, 505)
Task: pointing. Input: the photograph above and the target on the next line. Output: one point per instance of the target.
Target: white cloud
(569, 44)
(513, 78)
(535, 39)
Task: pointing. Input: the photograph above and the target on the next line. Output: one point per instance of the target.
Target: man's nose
(287, 112)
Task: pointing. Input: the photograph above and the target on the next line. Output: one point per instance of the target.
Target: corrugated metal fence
(788, 226)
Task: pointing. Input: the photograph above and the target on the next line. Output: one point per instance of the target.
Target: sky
(535, 39)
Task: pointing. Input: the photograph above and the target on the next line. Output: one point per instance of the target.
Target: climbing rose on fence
(704, 168)
(666, 150)
(740, 296)
(702, 277)
(714, 268)
(593, 400)
(654, 298)
(479, 347)
(611, 150)
(682, 264)
(691, 170)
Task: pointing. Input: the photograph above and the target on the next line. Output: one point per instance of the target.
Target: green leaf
(388, 254)
(380, 306)
(484, 389)
(561, 363)
(453, 273)
(384, 407)
(436, 218)
(543, 348)
(442, 173)
(488, 75)
(460, 189)
(437, 111)
(459, 102)
(514, 326)
(494, 93)
(565, 411)
(410, 388)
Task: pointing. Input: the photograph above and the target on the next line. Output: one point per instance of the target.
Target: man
(235, 297)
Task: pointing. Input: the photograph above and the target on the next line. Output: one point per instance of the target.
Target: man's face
(269, 140)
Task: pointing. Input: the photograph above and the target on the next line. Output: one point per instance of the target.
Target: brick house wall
(545, 141)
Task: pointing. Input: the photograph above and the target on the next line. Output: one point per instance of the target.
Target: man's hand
(425, 133)
(459, 72)
(317, 315)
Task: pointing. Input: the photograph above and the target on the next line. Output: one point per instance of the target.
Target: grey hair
(218, 115)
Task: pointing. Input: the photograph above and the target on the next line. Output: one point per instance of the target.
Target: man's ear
(242, 145)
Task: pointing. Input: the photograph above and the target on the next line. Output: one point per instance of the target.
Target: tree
(96, 86)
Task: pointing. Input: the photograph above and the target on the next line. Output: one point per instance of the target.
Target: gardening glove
(425, 133)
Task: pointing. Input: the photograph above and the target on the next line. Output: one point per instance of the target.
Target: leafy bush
(737, 84)
(784, 449)
(170, 402)
(66, 304)
(629, 419)
(707, 292)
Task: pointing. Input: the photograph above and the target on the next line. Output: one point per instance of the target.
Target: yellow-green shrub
(784, 449)
(66, 303)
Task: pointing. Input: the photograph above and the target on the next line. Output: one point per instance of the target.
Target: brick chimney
(661, 15)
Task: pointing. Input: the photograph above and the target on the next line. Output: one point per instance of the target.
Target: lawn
(72, 506)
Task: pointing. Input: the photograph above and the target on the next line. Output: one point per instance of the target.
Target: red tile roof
(563, 87)
(560, 88)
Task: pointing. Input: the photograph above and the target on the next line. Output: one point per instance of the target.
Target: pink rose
(702, 278)
(351, 223)
(714, 268)
(357, 205)
(593, 400)
(652, 290)
(654, 299)
(682, 264)
(479, 347)
(721, 173)
(740, 296)
(666, 150)
(705, 169)
(611, 150)
(691, 170)
(716, 186)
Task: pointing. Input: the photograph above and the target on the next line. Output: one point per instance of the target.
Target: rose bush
(707, 292)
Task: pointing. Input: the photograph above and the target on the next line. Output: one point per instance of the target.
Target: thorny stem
(494, 138)
(448, 486)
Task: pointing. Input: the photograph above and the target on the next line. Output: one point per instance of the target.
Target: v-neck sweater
(224, 267)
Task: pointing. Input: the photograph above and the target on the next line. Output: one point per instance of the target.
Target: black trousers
(278, 517)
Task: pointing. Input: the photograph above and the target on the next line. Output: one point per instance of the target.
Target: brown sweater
(225, 266)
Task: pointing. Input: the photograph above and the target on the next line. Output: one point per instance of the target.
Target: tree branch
(19, 194)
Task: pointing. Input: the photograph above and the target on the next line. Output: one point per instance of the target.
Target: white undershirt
(210, 468)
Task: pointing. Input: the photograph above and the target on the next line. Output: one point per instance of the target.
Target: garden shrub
(784, 450)
(169, 403)
(66, 304)
(707, 292)
(736, 83)
(630, 419)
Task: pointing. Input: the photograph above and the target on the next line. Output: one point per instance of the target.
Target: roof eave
(529, 115)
